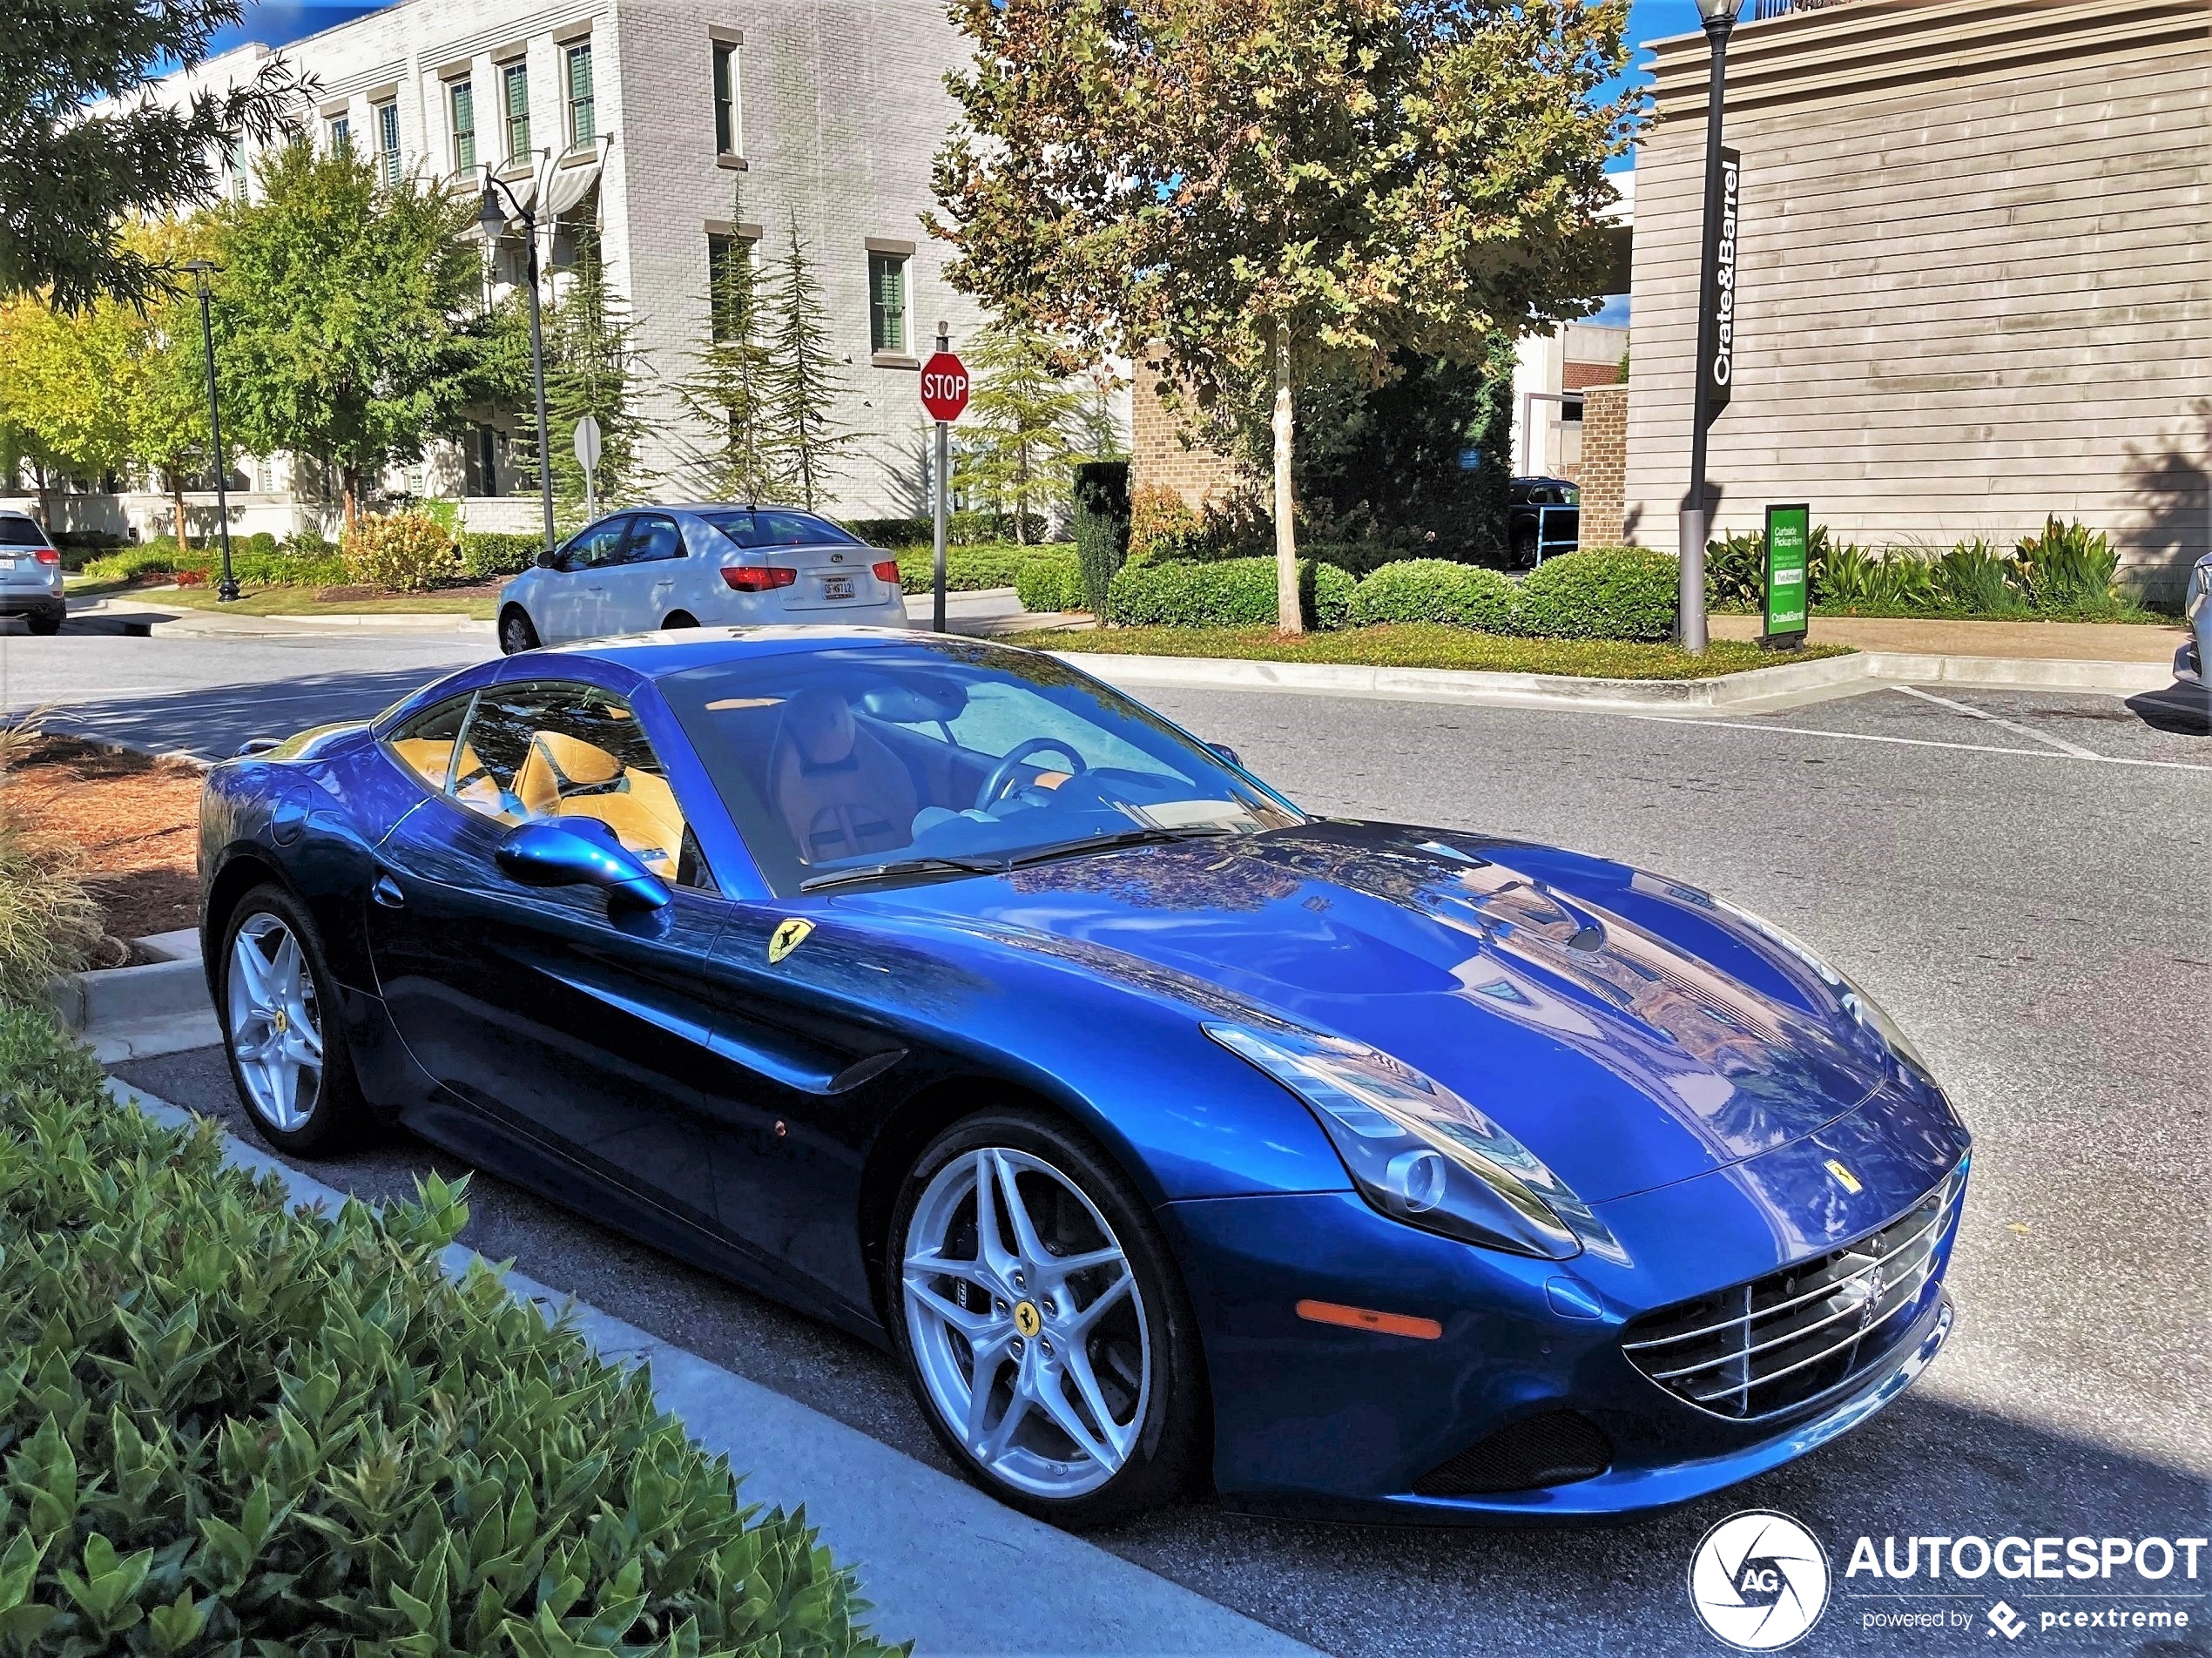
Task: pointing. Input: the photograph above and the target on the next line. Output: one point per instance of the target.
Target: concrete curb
(928, 1546)
(1836, 675)
(92, 1001)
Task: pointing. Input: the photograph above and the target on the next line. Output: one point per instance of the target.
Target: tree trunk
(349, 494)
(1288, 618)
(45, 498)
(177, 524)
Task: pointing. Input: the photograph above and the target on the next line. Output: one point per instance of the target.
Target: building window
(887, 301)
(341, 134)
(239, 171)
(729, 122)
(386, 117)
(582, 128)
(463, 99)
(723, 253)
(482, 453)
(515, 80)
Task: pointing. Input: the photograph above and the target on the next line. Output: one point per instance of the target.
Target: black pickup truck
(1546, 519)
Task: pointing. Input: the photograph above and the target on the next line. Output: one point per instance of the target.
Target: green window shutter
(583, 125)
(464, 127)
(516, 81)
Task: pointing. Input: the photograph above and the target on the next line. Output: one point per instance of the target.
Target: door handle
(385, 891)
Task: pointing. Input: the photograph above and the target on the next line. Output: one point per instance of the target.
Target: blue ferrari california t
(1168, 1135)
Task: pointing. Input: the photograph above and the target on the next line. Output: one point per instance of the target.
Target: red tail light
(887, 570)
(45, 555)
(758, 578)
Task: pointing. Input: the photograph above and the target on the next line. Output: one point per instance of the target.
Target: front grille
(1547, 1450)
(1791, 1336)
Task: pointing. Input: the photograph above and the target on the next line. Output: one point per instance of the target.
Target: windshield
(847, 760)
(21, 532)
(772, 527)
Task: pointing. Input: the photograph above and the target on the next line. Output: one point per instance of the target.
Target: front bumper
(1329, 1422)
(2188, 666)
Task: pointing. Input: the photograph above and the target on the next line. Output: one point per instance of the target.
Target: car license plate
(837, 587)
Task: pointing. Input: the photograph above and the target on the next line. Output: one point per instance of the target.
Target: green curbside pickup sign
(1789, 606)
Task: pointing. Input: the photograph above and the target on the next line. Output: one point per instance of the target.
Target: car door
(577, 604)
(588, 1030)
(640, 586)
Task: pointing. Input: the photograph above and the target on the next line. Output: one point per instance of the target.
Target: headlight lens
(1862, 1008)
(1420, 1153)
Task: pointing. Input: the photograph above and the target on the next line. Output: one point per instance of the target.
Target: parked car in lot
(2190, 662)
(1168, 1135)
(1545, 518)
(697, 565)
(31, 573)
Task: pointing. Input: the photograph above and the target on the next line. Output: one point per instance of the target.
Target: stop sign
(944, 387)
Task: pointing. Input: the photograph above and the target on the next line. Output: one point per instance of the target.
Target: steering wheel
(1002, 773)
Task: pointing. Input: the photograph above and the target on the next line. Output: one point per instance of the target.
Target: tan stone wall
(1604, 464)
(1163, 453)
(1976, 287)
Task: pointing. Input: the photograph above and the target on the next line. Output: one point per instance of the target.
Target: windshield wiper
(1154, 836)
(903, 866)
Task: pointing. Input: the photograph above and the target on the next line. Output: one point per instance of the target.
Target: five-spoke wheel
(287, 1054)
(1043, 1334)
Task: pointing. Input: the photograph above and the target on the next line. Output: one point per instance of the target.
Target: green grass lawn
(301, 601)
(1421, 645)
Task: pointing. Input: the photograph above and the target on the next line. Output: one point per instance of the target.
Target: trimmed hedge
(962, 529)
(971, 570)
(489, 555)
(232, 1427)
(1602, 593)
(1053, 585)
(1232, 593)
(1436, 589)
(277, 566)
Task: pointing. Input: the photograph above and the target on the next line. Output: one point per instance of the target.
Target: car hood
(1627, 1028)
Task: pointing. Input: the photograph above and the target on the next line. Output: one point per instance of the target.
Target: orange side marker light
(1384, 1324)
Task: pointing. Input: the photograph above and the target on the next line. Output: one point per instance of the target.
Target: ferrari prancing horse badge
(787, 937)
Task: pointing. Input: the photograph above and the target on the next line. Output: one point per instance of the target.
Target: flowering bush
(408, 552)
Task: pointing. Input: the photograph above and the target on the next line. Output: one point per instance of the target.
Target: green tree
(347, 320)
(592, 367)
(803, 383)
(1294, 185)
(727, 389)
(164, 399)
(58, 407)
(1024, 426)
(83, 151)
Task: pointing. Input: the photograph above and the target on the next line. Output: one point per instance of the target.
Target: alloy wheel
(274, 1024)
(1027, 1323)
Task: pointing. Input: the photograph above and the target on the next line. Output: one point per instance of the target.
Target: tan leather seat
(429, 757)
(840, 792)
(556, 764)
(644, 814)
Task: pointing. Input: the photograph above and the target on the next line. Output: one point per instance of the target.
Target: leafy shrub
(1736, 572)
(2069, 567)
(48, 927)
(487, 555)
(1100, 525)
(962, 529)
(893, 532)
(1231, 593)
(406, 552)
(291, 562)
(1975, 578)
(261, 543)
(1435, 589)
(237, 1428)
(1602, 593)
(306, 544)
(1053, 585)
(1358, 558)
(974, 569)
(1852, 578)
(1162, 525)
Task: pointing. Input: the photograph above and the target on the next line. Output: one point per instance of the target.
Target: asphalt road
(2020, 877)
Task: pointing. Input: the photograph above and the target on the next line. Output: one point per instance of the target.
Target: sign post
(944, 394)
(1789, 585)
(587, 456)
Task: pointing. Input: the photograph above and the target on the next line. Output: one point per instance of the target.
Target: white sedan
(687, 566)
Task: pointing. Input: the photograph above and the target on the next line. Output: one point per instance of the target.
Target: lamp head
(1718, 12)
(201, 269)
(492, 217)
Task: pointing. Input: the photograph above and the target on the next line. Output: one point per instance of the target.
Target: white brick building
(830, 110)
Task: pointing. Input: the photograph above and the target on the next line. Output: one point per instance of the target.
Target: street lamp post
(1719, 17)
(226, 589)
(494, 219)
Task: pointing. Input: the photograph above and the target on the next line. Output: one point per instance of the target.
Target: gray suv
(31, 573)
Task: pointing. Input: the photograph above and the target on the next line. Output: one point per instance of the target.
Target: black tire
(515, 632)
(47, 622)
(1524, 547)
(338, 1116)
(1169, 1451)
(680, 619)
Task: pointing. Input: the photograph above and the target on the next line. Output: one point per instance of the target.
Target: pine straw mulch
(134, 822)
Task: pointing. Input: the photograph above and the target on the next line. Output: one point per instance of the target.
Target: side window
(595, 547)
(560, 750)
(652, 539)
(424, 744)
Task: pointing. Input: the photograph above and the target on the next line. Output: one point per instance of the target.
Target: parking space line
(1972, 713)
(1918, 742)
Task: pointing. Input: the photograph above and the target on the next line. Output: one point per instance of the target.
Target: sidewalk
(2019, 641)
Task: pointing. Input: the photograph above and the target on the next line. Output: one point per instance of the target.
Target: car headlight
(1861, 1008)
(1419, 1152)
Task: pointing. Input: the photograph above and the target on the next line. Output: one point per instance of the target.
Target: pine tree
(802, 380)
(592, 368)
(727, 390)
(1024, 428)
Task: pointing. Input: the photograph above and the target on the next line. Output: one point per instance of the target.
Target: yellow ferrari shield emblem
(1026, 1318)
(1844, 1179)
(787, 937)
